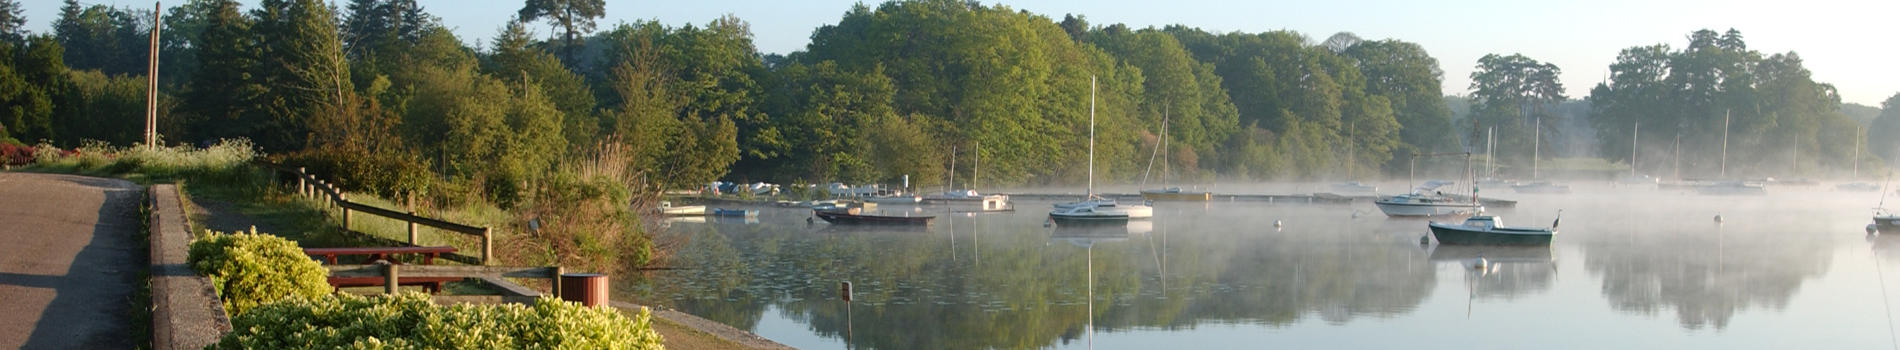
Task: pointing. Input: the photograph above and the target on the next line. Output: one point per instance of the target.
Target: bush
(387, 175)
(251, 269)
(15, 154)
(224, 160)
(410, 321)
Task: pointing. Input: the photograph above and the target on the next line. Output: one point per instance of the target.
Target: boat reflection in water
(1507, 272)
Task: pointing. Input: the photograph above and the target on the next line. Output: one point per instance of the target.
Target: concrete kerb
(186, 312)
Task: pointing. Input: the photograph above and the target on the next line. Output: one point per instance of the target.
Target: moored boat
(1176, 194)
(667, 208)
(852, 217)
(911, 199)
(1858, 187)
(1731, 188)
(733, 212)
(1490, 230)
(1541, 187)
(1424, 202)
(1354, 187)
(1886, 221)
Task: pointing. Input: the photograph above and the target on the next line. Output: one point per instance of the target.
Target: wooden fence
(310, 186)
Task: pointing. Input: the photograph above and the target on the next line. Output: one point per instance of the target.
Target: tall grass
(224, 161)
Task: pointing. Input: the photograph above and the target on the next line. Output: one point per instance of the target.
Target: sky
(1839, 40)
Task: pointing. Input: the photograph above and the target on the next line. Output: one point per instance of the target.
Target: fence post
(488, 242)
(412, 229)
(302, 188)
(555, 287)
(346, 210)
(390, 280)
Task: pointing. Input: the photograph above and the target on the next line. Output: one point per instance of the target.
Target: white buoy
(1718, 218)
(1276, 223)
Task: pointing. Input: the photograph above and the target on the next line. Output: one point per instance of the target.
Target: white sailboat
(1166, 193)
(1426, 201)
(1727, 187)
(1537, 133)
(1093, 208)
(1634, 178)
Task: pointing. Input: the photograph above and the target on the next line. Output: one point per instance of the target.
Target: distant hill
(1863, 114)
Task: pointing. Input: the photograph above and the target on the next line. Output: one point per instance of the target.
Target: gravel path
(68, 261)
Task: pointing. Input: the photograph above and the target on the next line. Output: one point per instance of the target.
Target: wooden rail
(392, 273)
(310, 186)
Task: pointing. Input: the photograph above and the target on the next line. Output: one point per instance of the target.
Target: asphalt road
(68, 261)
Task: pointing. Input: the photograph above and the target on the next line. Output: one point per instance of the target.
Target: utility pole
(151, 80)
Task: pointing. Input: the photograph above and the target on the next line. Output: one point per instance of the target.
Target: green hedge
(251, 269)
(410, 321)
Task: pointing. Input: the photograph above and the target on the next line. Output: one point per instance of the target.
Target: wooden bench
(380, 253)
(432, 284)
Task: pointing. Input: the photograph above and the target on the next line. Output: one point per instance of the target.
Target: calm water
(1630, 268)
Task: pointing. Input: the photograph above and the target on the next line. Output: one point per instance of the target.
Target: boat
(1495, 182)
(1423, 201)
(808, 204)
(1354, 187)
(742, 213)
(1731, 188)
(1171, 194)
(895, 199)
(1541, 187)
(853, 216)
(1093, 207)
(667, 208)
(1639, 180)
(1886, 221)
(1858, 187)
(1794, 182)
(1490, 230)
(1176, 194)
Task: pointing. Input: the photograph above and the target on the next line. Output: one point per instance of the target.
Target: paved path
(68, 261)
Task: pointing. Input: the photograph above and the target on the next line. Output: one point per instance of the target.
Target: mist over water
(1631, 267)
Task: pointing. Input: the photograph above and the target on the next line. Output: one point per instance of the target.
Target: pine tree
(221, 93)
(300, 65)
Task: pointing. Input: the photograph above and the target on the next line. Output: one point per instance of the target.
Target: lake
(1630, 268)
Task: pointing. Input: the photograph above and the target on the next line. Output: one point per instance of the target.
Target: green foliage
(98, 107)
(100, 37)
(300, 61)
(1768, 105)
(1888, 148)
(378, 173)
(517, 61)
(410, 321)
(226, 160)
(252, 270)
(32, 74)
(221, 95)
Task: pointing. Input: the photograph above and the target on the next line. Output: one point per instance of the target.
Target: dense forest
(383, 96)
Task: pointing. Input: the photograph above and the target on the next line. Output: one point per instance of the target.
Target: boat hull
(685, 210)
(1887, 224)
(1426, 209)
(1161, 196)
(1088, 220)
(1732, 190)
(849, 219)
(1459, 235)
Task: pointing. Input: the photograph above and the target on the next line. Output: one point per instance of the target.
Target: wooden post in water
(390, 280)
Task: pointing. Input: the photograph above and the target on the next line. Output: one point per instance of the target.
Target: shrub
(381, 174)
(15, 154)
(251, 269)
(410, 321)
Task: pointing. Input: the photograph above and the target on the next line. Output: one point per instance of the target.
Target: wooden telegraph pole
(151, 81)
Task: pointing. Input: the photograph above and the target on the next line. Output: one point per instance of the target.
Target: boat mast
(953, 170)
(1537, 134)
(1633, 132)
(979, 164)
(1091, 191)
(1857, 134)
(1164, 147)
(1725, 122)
(1490, 143)
(1678, 156)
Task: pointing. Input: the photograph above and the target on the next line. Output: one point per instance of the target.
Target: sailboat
(992, 202)
(1634, 178)
(1093, 208)
(1166, 193)
(1727, 187)
(1490, 178)
(1426, 201)
(1355, 186)
(1537, 133)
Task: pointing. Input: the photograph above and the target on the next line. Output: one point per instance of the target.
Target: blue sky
(1843, 42)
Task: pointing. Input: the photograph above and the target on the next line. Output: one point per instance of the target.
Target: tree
(221, 95)
(1514, 93)
(1888, 148)
(1410, 79)
(33, 82)
(518, 62)
(11, 21)
(301, 62)
(113, 40)
(572, 17)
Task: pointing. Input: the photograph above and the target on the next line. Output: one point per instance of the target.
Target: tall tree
(301, 61)
(1888, 148)
(1514, 93)
(222, 94)
(573, 17)
(1411, 79)
(110, 39)
(11, 21)
(516, 60)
